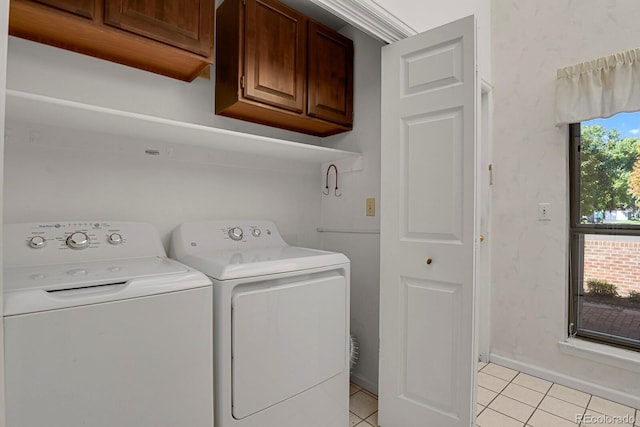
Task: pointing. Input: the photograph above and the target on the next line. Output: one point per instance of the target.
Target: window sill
(608, 355)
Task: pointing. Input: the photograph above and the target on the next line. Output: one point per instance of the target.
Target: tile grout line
(500, 393)
(487, 405)
(358, 389)
(497, 393)
(547, 392)
(538, 405)
(585, 409)
(361, 420)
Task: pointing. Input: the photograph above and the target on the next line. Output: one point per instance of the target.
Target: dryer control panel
(75, 241)
(248, 232)
(224, 235)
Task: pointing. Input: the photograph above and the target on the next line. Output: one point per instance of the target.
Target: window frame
(577, 231)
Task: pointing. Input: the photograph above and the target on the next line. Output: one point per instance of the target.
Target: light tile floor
(508, 398)
(363, 407)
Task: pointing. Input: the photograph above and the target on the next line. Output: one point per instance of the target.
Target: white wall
(54, 174)
(529, 294)
(50, 71)
(347, 212)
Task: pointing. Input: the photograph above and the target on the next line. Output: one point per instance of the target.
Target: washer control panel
(75, 235)
(79, 241)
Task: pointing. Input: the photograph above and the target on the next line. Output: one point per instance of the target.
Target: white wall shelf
(43, 110)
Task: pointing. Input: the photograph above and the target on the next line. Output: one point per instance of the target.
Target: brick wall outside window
(615, 259)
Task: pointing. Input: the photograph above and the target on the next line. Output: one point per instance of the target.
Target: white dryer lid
(226, 265)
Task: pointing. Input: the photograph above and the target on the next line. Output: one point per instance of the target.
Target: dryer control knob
(114, 238)
(78, 240)
(37, 242)
(236, 233)
(256, 232)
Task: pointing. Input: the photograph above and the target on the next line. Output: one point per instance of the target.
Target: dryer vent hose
(354, 351)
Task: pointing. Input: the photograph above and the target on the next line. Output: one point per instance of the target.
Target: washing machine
(101, 329)
(281, 322)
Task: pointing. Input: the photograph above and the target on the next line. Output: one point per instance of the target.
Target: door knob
(481, 238)
(429, 261)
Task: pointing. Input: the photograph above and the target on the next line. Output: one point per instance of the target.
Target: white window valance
(599, 88)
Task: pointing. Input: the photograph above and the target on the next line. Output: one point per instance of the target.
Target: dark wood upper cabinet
(79, 7)
(275, 54)
(186, 24)
(172, 38)
(330, 92)
(277, 67)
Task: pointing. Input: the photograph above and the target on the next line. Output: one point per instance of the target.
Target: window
(605, 230)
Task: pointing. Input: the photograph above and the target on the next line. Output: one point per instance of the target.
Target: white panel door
(427, 355)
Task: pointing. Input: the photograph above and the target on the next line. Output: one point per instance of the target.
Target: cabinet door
(330, 85)
(275, 55)
(187, 24)
(78, 7)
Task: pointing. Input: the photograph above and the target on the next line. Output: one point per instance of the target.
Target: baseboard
(366, 384)
(568, 381)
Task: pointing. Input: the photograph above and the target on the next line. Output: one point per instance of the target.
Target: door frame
(484, 180)
(4, 40)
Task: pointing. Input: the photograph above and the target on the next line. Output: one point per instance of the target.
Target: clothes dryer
(281, 321)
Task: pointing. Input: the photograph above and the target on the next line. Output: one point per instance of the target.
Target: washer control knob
(37, 242)
(256, 232)
(236, 233)
(78, 240)
(114, 238)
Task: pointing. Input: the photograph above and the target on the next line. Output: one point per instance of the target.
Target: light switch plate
(371, 207)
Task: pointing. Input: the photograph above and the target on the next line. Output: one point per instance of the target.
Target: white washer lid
(38, 288)
(226, 265)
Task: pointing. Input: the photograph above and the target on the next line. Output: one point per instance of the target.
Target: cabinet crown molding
(370, 17)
